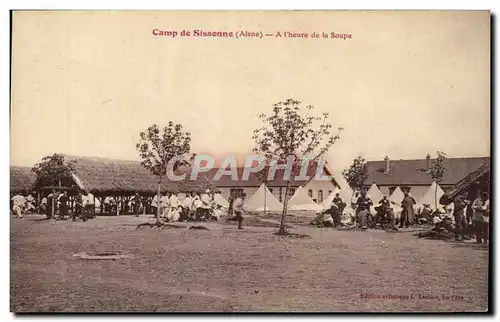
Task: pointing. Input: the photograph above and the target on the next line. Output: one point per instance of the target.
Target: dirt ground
(226, 270)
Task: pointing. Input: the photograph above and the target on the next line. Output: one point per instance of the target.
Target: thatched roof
(102, 176)
(21, 179)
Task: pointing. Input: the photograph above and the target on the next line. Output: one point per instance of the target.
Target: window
(270, 190)
(235, 193)
(330, 192)
(291, 192)
(310, 193)
(320, 195)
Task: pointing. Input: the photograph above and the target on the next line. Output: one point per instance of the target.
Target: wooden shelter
(478, 180)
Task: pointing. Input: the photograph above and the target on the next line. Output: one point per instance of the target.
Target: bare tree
(285, 134)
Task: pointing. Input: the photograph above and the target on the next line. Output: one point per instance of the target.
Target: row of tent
(264, 200)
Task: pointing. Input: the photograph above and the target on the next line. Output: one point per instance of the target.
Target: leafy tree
(287, 134)
(437, 171)
(158, 146)
(356, 174)
(53, 171)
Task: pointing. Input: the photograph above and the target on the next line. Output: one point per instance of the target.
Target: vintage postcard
(250, 161)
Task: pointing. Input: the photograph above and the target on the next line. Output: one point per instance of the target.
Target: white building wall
(319, 187)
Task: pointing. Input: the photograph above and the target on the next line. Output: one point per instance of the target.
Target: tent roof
(375, 194)
(397, 196)
(301, 201)
(326, 204)
(263, 197)
(430, 197)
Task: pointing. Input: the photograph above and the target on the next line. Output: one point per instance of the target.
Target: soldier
(79, 208)
(363, 205)
(407, 213)
(459, 216)
(63, 204)
(340, 203)
(238, 210)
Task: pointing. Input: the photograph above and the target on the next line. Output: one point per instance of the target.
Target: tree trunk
(282, 230)
(158, 202)
(38, 202)
(53, 210)
(435, 197)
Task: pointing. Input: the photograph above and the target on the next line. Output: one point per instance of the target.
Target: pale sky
(406, 84)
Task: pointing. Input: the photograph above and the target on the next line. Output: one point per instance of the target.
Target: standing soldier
(407, 212)
(63, 204)
(79, 207)
(238, 210)
(459, 216)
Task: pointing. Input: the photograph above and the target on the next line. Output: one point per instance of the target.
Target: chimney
(428, 158)
(387, 164)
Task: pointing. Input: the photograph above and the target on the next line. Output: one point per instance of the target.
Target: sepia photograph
(250, 161)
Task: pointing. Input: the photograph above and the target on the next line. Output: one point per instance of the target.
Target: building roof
(108, 176)
(21, 179)
(255, 180)
(414, 172)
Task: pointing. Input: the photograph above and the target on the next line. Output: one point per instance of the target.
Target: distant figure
(18, 205)
(136, 204)
(363, 205)
(230, 208)
(154, 204)
(238, 210)
(206, 205)
(187, 203)
(43, 206)
(407, 215)
(50, 204)
(88, 205)
(30, 203)
(481, 207)
(78, 208)
(459, 216)
(63, 204)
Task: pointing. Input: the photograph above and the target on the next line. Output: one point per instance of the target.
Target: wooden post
(117, 199)
(38, 202)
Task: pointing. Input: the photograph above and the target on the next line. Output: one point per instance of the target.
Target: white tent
(263, 197)
(219, 199)
(375, 194)
(346, 194)
(430, 197)
(301, 201)
(397, 196)
(327, 203)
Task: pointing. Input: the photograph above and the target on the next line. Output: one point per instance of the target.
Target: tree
(52, 171)
(437, 171)
(157, 147)
(356, 174)
(285, 134)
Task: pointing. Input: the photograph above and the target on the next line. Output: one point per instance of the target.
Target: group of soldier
(384, 215)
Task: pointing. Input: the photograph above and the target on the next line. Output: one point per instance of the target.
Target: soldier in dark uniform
(79, 208)
(363, 205)
(340, 203)
(63, 206)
